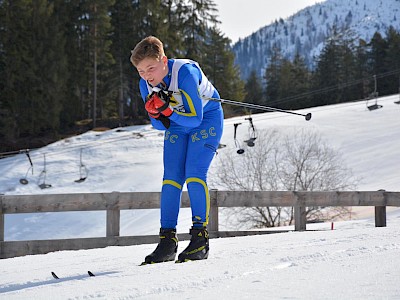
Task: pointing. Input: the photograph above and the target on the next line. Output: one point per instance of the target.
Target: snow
(239, 21)
(353, 261)
(307, 31)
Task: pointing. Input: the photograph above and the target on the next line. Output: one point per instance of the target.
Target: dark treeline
(345, 71)
(64, 63)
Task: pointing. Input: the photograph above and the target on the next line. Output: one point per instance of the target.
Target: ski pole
(260, 107)
(253, 106)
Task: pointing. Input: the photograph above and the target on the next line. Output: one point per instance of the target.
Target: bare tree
(252, 171)
(300, 161)
(255, 170)
(308, 163)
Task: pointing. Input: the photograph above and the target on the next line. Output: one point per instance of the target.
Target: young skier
(175, 92)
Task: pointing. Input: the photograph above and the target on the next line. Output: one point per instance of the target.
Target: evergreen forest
(65, 69)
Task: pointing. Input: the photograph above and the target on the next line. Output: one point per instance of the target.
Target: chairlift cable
(331, 88)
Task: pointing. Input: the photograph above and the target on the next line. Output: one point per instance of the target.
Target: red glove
(162, 104)
(149, 106)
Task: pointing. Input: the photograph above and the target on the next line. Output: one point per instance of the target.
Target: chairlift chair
(240, 150)
(252, 133)
(375, 105)
(374, 95)
(42, 176)
(83, 171)
(24, 180)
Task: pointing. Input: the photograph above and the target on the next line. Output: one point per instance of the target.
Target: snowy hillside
(306, 31)
(130, 159)
(355, 261)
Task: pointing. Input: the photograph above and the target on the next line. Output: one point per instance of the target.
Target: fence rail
(114, 202)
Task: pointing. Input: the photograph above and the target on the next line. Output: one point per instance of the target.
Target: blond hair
(148, 47)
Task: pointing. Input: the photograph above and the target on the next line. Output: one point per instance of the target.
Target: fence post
(380, 216)
(113, 220)
(213, 214)
(300, 219)
(113, 215)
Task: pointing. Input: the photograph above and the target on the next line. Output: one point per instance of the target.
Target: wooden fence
(114, 202)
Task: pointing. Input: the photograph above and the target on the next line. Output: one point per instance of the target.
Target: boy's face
(153, 70)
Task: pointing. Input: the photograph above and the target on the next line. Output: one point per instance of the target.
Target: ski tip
(147, 263)
(91, 274)
(54, 275)
(182, 261)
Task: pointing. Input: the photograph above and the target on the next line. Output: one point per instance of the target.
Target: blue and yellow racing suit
(190, 142)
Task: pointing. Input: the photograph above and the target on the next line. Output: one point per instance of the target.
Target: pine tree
(218, 64)
(392, 60)
(254, 89)
(285, 84)
(175, 11)
(363, 70)
(121, 36)
(302, 81)
(347, 68)
(294, 84)
(66, 15)
(377, 57)
(99, 52)
(200, 13)
(34, 68)
(148, 18)
(335, 71)
(273, 76)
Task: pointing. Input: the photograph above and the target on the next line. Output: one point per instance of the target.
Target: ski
(91, 274)
(182, 261)
(154, 263)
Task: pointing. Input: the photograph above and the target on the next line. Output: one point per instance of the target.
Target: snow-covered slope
(355, 261)
(306, 31)
(130, 159)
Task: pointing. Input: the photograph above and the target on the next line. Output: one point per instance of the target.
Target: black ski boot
(198, 247)
(166, 248)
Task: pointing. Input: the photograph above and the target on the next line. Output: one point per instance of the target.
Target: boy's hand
(151, 109)
(162, 104)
